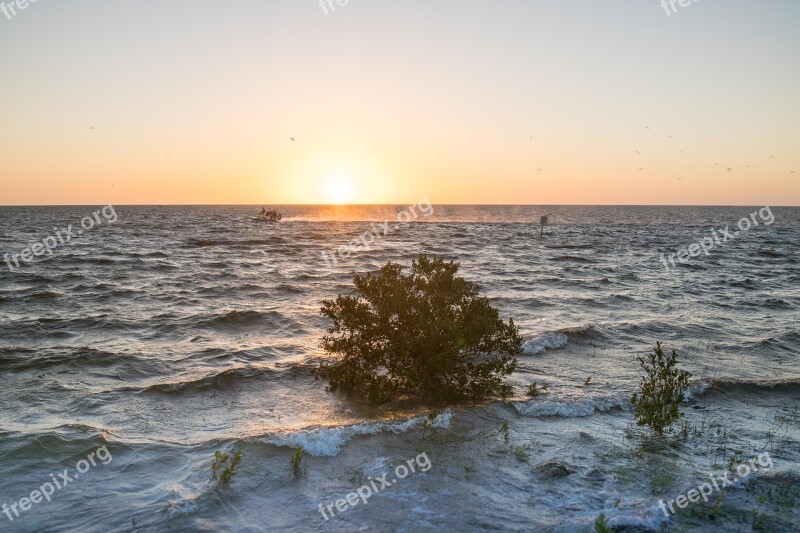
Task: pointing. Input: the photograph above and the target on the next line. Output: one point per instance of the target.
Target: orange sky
(194, 103)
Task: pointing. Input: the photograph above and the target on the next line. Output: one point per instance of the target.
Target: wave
(219, 380)
(709, 385)
(545, 341)
(207, 243)
(568, 246)
(328, 442)
(571, 259)
(572, 407)
(583, 332)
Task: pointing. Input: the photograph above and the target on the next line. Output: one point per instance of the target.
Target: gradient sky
(195, 101)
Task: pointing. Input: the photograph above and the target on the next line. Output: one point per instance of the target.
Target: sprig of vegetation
(535, 390)
(661, 391)
(505, 431)
(601, 524)
(230, 466)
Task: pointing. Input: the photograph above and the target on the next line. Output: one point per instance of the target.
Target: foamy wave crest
(328, 442)
(571, 408)
(545, 341)
(696, 389)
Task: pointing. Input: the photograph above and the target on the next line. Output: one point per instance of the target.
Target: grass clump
(661, 391)
(228, 466)
(297, 462)
(601, 524)
(535, 390)
(427, 335)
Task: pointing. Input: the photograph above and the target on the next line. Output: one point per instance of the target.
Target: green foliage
(601, 524)
(505, 431)
(661, 391)
(535, 390)
(230, 465)
(427, 334)
(297, 462)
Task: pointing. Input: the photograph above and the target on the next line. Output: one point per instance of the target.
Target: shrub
(427, 334)
(661, 391)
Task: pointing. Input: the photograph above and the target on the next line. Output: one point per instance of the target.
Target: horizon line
(391, 205)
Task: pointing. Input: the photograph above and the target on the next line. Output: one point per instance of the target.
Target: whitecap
(328, 442)
(545, 341)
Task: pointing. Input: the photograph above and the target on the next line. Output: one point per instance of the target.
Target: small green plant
(535, 390)
(735, 460)
(716, 508)
(505, 431)
(661, 391)
(297, 462)
(588, 381)
(601, 524)
(230, 466)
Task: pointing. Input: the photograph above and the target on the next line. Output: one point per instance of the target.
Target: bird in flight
(729, 169)
(91, 128)
(647, 127)
(637, 152)
(641, 169)
(538, 170)
(292, 138)
(681, 151)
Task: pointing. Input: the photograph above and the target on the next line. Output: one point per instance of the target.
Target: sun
(338, 188)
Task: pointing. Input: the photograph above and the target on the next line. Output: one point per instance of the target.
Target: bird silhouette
(637, 151)
(538, 170)
(641, 169)
(292, 138)
(681, 151)
(729, 170)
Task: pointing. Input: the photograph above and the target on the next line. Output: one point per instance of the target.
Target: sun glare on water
(338, 189)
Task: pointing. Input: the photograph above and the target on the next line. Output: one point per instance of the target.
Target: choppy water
(178, 331)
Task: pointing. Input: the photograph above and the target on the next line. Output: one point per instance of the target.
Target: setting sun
(338, 189)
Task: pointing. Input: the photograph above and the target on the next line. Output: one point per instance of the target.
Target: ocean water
(160, 335)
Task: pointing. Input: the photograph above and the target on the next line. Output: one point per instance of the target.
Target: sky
(273, 102)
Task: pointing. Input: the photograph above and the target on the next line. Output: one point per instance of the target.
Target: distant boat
(270, 216)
